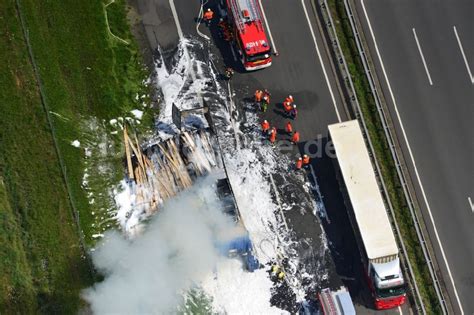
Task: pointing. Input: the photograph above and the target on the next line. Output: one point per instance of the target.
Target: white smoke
(150, 274)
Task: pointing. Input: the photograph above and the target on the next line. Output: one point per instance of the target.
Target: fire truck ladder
(256, 13)
(329, 307)
(238, 6)
(237, 17)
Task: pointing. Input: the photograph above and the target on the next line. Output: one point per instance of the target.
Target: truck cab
(388, 285)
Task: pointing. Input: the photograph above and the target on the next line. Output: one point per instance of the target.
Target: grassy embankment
(85, 73)
(384, 157)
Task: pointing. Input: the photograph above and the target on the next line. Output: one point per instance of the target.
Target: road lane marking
(400, 310)
(185, 48)
(471, 204)
(463, 55)
(321, 61)
(422, 56)
(268, 27)
(176, 20)
(412, 159)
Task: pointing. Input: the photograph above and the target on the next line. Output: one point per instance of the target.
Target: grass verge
(384, 157)
(86, 76)
(42, 265)
(87, 73)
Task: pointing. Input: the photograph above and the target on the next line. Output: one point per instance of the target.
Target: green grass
(86, 73)
(16, 282)
(196, 302)
(384, 157)
(86, 76)
(41, 265)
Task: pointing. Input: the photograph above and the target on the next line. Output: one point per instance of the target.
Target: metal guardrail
(393, 151)
(355, 104)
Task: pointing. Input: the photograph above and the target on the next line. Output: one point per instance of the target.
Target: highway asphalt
(437, 119)
(297, 71)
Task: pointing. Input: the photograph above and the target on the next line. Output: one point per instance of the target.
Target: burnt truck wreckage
(162, 168)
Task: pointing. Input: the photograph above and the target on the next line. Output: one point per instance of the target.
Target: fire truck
(336, 302)
(245, 17)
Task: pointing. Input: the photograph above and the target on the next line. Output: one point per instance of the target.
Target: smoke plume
(150, 274)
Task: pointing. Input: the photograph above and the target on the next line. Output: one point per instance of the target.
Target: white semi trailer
(368, 215)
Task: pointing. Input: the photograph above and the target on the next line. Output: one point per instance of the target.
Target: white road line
(412, 159)
(422, 57)
(400, 310)
(463, 55)
(176, 20)
(268, 27)
(321, 61)
(185, 49)
(471, 204)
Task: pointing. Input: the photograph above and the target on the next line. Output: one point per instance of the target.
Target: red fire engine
(250, 37)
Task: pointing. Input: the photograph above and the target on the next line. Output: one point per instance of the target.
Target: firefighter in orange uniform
(273, 134)
(288, 104)
(287, 107)
(289, 128)
(208, 15)
(265, 127)
(258, 96)
(306, 160)
(296, 137)
(299, 164)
